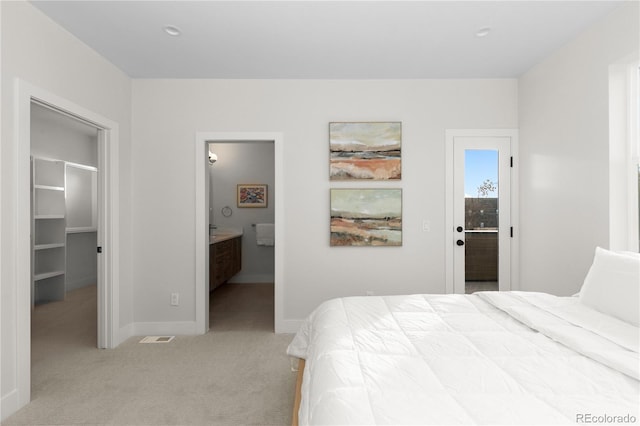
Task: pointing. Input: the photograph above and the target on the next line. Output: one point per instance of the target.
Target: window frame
(624, 155)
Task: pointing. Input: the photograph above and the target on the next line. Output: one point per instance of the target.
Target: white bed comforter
(487, 358)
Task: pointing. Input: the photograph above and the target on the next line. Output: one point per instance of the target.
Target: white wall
(244, 162)
(564, 154)
(164, 197)
(40, 52)
(54, 135)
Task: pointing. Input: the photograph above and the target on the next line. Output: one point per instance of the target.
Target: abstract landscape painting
(366, 217)
(365, 151)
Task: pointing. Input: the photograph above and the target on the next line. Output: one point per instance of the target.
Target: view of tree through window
(481, 189)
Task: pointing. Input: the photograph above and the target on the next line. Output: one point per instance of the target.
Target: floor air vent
(157, 339)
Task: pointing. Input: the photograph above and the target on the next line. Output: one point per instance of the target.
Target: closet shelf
(49, 216)
(80, 229)
(49, 187)
(45, 275)
(47, 246)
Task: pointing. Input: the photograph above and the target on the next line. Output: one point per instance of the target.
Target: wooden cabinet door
(225, 260)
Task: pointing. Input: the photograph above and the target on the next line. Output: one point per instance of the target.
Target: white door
(482, 233)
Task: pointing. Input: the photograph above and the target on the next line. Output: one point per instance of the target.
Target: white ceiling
(325, 39)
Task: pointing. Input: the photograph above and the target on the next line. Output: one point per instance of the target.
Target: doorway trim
(108, 227)
(450, 135)
(201, 229)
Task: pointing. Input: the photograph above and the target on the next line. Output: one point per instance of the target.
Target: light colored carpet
(237, 374)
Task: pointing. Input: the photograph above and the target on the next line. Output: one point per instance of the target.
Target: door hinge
(511, 231)
(99, 249)
(511, 161)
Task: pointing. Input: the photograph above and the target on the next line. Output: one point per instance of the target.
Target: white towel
(265, 234)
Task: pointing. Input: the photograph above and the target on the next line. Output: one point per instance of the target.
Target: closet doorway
(106, 218)
(64, 166)
(64, 237)
(64, 205)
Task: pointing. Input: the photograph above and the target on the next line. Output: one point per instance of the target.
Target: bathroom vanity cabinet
(225, 259)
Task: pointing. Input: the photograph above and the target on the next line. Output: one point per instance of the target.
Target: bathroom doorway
(241, 251)
(226, 215)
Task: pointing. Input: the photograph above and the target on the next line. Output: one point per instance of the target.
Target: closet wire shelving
(50, 224)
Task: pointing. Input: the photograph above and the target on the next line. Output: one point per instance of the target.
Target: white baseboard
(177, 328)
(288, 326)
(124, 333)
(187, 328)
(9, 404)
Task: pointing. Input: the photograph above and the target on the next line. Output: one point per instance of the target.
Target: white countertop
(224, 235)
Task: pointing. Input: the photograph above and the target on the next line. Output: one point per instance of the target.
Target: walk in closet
(64, 204)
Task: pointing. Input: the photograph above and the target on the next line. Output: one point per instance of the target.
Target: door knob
(459, 229)
(460, 242)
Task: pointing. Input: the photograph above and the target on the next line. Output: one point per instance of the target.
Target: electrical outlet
(426, 226)
(175, 299)
(369, 293)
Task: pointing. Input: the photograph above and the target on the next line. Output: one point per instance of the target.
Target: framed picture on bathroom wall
(365, 151)
(253, 195)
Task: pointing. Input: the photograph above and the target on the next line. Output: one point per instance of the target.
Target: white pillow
(612, 285)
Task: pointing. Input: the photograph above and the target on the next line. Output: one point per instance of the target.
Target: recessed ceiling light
(483, 32)
(172, 30)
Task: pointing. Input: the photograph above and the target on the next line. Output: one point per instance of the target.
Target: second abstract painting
(366, 217)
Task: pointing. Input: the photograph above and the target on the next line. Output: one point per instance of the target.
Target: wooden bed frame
(296, 401)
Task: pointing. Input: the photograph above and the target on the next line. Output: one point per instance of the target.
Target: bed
(486, 358)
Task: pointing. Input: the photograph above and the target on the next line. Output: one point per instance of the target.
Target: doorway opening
(64, 234)
(106, 224)
(204, 216)
(241, 255)
(481, 211)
